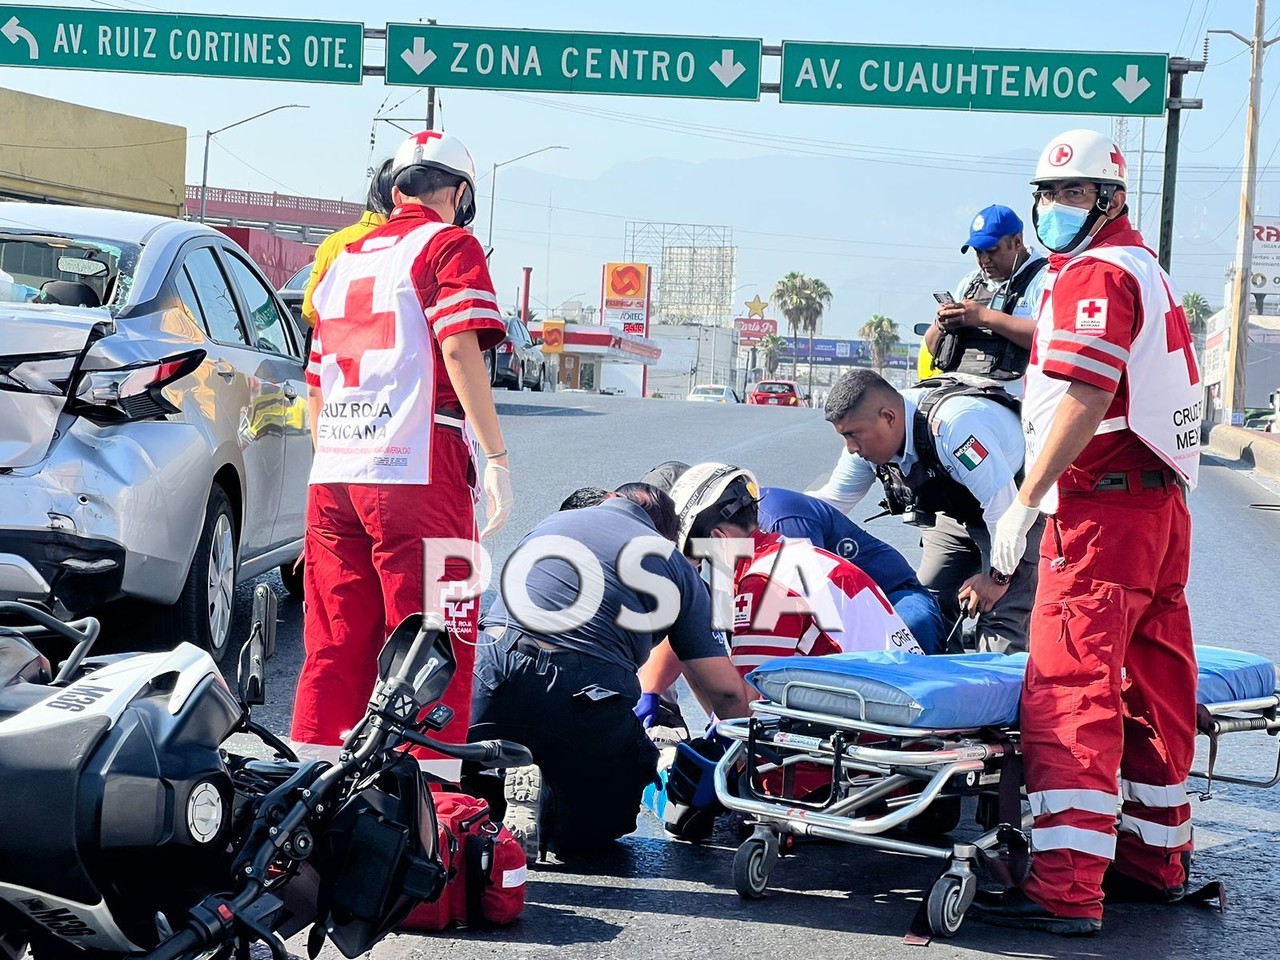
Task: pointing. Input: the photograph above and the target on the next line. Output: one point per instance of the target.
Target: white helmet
(1082, 155)
(440, 151)
(717, 487)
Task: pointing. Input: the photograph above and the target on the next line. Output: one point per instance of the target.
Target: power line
(235, 156)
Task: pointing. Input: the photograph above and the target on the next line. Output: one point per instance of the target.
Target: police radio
(900, 499)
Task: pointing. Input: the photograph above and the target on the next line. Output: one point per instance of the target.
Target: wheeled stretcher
(904, 738)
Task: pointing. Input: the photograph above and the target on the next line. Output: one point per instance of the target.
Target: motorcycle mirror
(251, 675)
(419, 652)
(921, 328)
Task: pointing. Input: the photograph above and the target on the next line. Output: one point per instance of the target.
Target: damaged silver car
(154, 440)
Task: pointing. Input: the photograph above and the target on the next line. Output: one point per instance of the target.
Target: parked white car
(154, 436)
(713, 393)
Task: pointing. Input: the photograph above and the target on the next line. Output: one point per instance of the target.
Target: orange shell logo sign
(553, 336)
(627, 280)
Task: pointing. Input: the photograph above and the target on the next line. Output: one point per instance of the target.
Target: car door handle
(290, 391)
(224, 368)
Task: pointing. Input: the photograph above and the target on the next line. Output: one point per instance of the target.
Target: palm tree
(1196, 307)
(771, 349)
(818, 300)
(881, 334)
(791, 296)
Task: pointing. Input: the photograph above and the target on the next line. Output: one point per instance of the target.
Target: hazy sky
(880, 199)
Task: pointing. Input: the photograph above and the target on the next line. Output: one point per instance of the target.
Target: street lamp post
(493, 184)
(210, 134)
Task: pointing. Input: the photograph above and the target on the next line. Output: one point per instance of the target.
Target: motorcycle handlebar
(487, 753)
(177, 946)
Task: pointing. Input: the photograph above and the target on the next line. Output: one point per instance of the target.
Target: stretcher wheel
(948, 900)
(752, 865)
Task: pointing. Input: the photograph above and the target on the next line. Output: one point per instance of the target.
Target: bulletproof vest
(980, 352)
(927, 489)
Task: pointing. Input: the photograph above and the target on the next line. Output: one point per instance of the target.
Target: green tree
(802, 300)
(1196, 307)
(881, 334)
(791, 296)
(770, 352)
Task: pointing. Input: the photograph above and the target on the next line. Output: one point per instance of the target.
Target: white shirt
(979, 444)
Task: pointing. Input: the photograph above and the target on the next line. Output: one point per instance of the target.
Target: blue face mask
(1058, 226)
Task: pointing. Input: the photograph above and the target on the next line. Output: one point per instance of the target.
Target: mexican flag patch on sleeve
(971, 453)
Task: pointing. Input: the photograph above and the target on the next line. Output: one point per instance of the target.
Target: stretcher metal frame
(897, 777)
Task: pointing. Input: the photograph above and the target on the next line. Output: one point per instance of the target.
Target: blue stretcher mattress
(958, 691)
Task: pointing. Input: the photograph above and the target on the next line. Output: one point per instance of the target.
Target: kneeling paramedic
(1112, 418)
(798, 516)
(948, 453)
(397, 387)
(557, 662)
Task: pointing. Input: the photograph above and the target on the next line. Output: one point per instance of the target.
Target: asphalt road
(656, 898)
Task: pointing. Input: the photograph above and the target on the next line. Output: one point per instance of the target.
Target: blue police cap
(990, 225)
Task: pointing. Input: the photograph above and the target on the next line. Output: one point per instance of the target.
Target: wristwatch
(1001, 578)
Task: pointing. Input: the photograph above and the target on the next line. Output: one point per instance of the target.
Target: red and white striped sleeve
(464, 294)
(312, 372)
(1097, 312)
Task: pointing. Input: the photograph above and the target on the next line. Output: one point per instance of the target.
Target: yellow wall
(72, 154)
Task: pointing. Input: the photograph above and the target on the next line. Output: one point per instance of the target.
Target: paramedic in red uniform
(790, 598)
(397, 387)
(1112, 418)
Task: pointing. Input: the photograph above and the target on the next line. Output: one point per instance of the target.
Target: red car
(777, 393)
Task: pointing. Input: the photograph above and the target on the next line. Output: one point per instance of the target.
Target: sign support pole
(1179, 67)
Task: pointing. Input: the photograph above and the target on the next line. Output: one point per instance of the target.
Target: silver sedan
(154, 440)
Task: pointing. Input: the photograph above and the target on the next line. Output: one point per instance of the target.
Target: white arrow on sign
(1131, 86)
(419, 58)
(15, 32)
(727, 69)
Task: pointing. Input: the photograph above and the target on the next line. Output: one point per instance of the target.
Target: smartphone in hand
(944, 297)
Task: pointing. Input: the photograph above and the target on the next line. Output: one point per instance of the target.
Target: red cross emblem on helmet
(1118, 159)
(1061, 154)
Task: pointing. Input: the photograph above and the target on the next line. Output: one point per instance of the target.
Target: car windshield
(72, 271)
(708, 391)
(774, 388)
(299, 280)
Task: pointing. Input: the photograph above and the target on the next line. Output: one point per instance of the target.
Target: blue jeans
(920, 612)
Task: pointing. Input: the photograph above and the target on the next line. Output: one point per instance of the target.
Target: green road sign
(186, 45)
(965, 78)
(543, 61)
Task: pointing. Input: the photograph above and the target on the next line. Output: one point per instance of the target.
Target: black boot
(1016, 909)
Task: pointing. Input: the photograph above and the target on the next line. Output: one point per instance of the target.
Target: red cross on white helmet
(1082, 155)
(432, 148)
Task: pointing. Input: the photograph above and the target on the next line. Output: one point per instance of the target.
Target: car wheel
(291, 577)
(490, 366)
(518, 383)
(542, 379)
(208, 596)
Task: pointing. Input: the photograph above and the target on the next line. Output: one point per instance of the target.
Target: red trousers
(364, 574)
(1109, 704)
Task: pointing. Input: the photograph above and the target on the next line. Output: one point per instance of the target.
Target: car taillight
(132, 392)
(505, 347)
(793, 401)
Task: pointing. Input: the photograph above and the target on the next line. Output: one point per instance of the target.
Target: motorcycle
(131, 828)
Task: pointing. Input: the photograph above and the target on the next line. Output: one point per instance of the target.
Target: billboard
(751, 330)
(624, 297)
(1264, 272)
(846, 353)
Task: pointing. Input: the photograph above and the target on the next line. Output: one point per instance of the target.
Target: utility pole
(431, 96)
(1238, 347)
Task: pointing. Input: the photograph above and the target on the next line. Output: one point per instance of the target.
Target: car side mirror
(419, 653)
(251, 673)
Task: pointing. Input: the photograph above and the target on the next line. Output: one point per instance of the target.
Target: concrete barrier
(1261, 451)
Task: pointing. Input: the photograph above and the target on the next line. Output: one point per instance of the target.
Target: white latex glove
(1011, 536)
(498, 497)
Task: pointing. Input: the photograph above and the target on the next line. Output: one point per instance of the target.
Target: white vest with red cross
(377, 365)
(1164, 398)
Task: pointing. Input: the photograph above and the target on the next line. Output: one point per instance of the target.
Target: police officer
(1112, 421)
(948, 455)
(565, 686)
(988, 331)
(801, 517)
